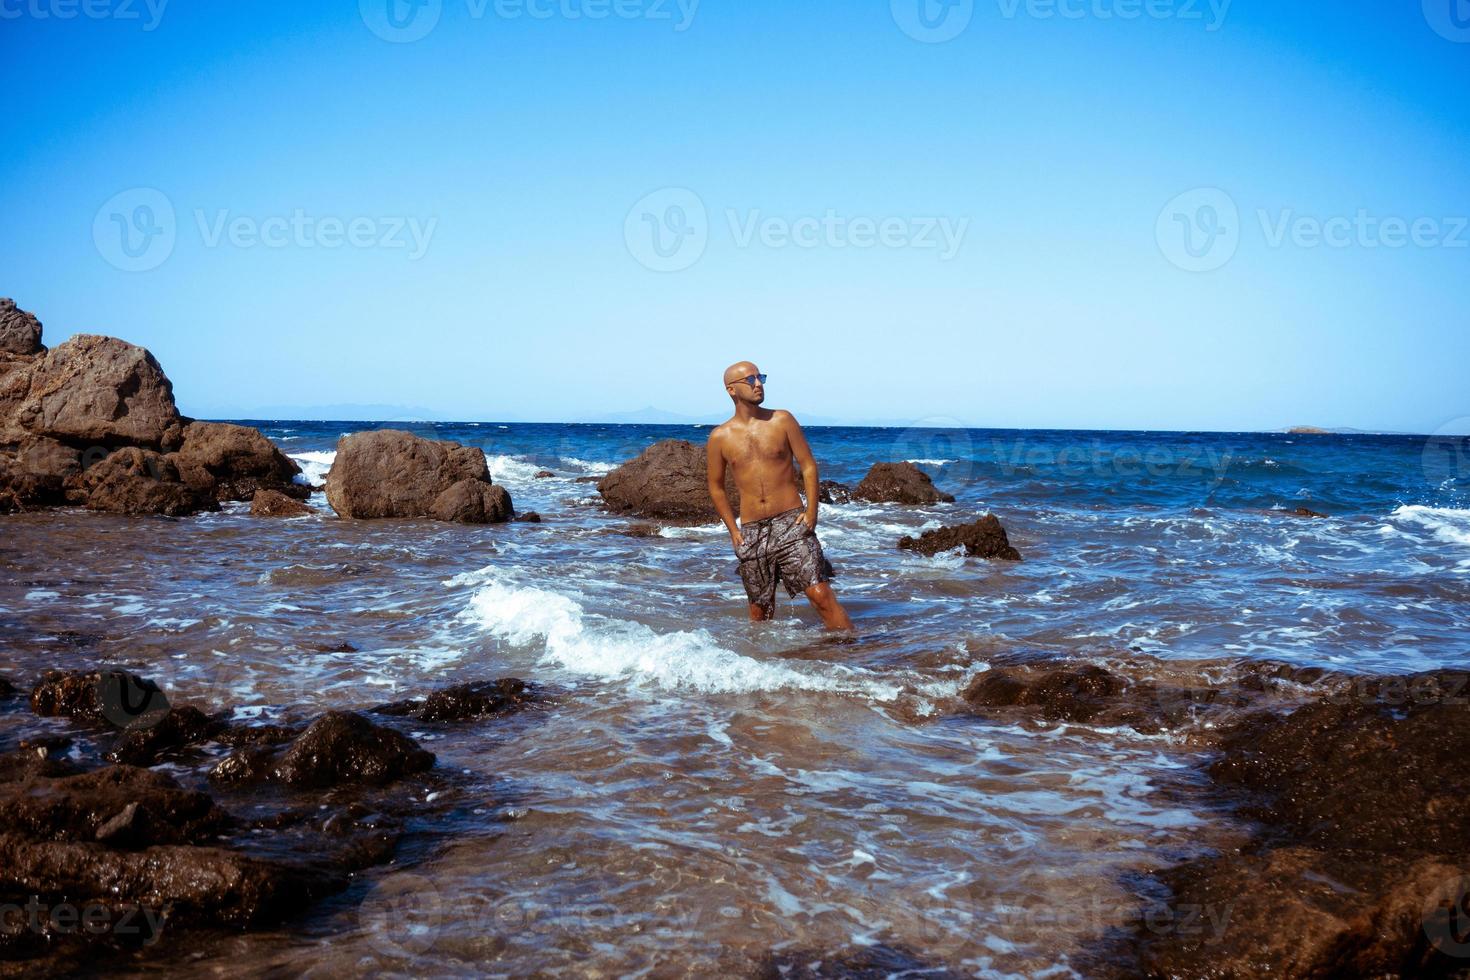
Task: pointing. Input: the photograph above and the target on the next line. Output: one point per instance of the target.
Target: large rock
(984, 538)
(391, 473)
(89, 391)
(232, 462)
(472, 502)
(20, 332)
(140, 481)
(899, 483)
(1359, 866)
(339, 747)
(667, 480)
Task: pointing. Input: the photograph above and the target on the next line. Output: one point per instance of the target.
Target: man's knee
(822, 596)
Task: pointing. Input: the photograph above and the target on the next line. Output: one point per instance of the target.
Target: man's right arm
(715, 470)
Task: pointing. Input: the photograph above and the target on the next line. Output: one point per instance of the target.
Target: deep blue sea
(1173, 543)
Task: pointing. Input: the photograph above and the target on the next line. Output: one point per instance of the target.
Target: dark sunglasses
(750, 379)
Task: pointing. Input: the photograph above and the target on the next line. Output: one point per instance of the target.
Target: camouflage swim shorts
(780, 548)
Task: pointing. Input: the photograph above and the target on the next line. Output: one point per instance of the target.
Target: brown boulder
(232, 462)
(984, 538)
(472, 502)
(667, 480)
(37, 472)
(20, 332)
(273, 503)
(899, 483)
(339, 747)
(391, 473)
(140, 481)
(90, 390)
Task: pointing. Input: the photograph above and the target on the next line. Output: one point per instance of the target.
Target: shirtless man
(776, 539)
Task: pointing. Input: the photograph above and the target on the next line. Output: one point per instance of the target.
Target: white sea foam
(511, 469)
(1448, 524)
(314, 466)
(588, 467)
(929, 462)
(686, 660)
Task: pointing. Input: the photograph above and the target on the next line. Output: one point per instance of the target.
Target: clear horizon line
(1283, 430)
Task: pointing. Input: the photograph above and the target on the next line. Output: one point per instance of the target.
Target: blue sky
(322, 207)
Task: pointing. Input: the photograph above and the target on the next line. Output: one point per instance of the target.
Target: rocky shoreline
(1352, 861)
(103, 851)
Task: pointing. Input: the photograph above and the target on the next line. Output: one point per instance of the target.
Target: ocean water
(700, 791)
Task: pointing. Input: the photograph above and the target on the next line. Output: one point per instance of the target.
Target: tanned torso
(759, 452)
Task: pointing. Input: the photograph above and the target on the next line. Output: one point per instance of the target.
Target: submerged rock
(1359, 864)
(833, 492)
(124, 839)
(339, 747)
(273, 503)
(984, 538)
(113, 698)
(182, 726)
(899, 483)
(472, 700)
(391, 473)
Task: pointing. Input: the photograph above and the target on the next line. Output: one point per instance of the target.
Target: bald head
(738, 370)
(752, 393)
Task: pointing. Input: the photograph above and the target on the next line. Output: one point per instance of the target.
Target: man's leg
(757, 614)
(824, 601)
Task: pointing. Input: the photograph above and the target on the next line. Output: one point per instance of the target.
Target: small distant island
(1308, 430)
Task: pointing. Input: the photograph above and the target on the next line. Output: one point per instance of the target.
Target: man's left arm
(808, 463)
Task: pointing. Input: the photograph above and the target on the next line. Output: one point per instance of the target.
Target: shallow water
(700, 791)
